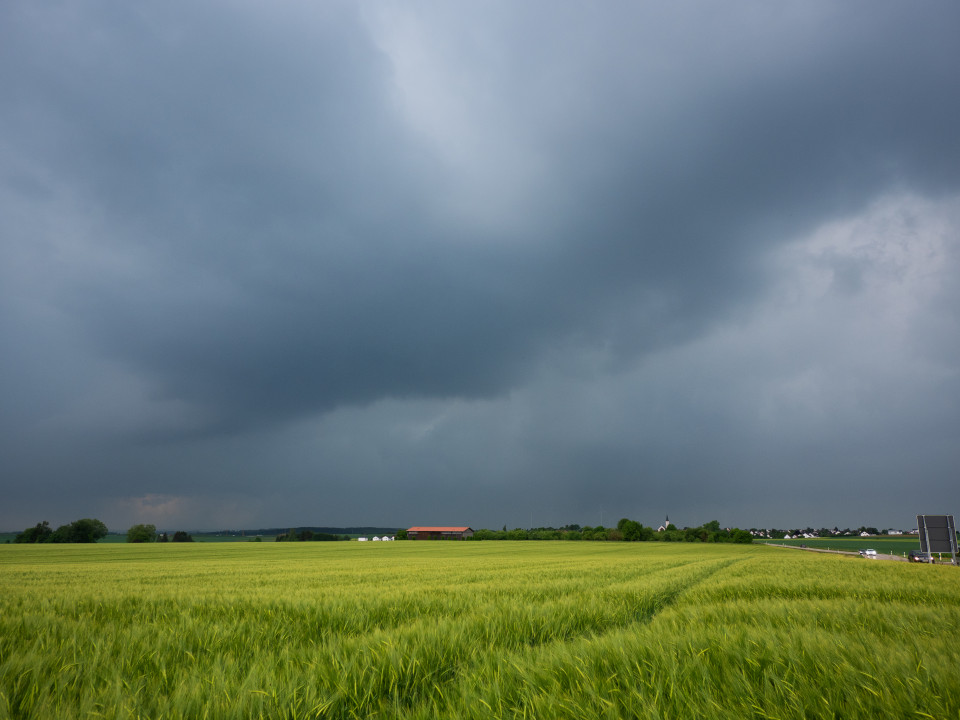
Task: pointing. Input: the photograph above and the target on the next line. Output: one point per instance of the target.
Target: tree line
(626, 530)
(85, 530)
(307, 535)
(148, 533)
(90, 530)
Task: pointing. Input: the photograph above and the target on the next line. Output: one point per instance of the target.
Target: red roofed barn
(439, 533)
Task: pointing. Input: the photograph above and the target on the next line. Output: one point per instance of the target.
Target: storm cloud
(408, 263)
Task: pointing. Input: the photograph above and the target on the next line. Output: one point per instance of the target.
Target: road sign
(938, 534)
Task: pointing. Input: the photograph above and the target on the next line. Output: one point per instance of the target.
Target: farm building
(439, 533)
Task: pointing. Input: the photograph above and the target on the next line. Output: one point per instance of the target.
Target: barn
(439, 533)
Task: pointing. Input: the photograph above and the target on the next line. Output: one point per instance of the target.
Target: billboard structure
(938, 534)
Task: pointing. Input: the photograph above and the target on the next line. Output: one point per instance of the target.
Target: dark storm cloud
(221, 221)
(281, 260)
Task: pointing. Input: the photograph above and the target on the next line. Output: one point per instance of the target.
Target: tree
(742, 536)
(38, 534)
(401, 535)
(546, 534)
(89, 530)
(142, 534)
(634, 531)
(671, 536)
(86, 530)
(181, 536)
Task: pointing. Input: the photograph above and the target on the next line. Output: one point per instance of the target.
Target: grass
(472, 630)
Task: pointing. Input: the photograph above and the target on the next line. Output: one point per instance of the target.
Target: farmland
(472, 630)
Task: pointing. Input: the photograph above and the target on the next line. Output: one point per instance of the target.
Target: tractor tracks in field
(705, 571)
(643, 599)
(558, 634)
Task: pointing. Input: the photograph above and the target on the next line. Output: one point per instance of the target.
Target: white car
(869, 553)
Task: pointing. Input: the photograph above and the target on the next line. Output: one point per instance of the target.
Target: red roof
(437, 529)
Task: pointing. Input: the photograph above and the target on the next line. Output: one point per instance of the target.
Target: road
(852, 553)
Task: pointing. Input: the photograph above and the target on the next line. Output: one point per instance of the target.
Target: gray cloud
(228, 228)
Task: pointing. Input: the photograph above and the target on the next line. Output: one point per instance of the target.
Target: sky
(486, 264)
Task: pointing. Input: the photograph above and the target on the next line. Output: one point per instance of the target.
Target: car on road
(869, 553)
(917, 556)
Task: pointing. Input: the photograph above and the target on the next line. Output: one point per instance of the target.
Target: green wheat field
(473, 630)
